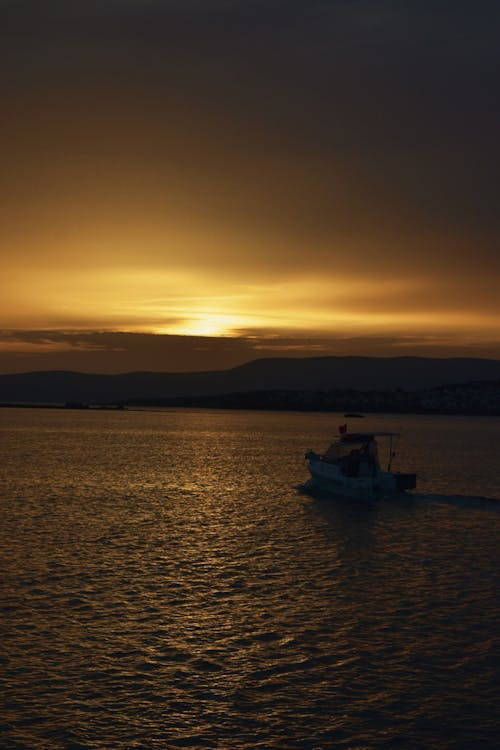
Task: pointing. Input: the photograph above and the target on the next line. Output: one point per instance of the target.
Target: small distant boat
(350, 467)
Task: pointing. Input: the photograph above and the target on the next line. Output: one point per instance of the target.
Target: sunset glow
(199, 303)
(204, 324)
(185, 192)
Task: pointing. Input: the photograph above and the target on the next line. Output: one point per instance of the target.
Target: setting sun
(204, 324)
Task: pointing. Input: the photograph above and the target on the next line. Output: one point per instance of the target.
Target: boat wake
(311, 489)
(460, 501)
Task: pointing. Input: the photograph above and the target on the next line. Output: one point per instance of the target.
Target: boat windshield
(354, 456)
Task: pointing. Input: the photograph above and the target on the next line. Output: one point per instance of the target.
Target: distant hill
(312, 373)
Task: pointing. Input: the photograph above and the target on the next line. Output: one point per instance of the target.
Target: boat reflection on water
(350, 467)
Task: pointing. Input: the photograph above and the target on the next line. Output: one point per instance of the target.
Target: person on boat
(353, 461)
(331, 455)
(366, 461)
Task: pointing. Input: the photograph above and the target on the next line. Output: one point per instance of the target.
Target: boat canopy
(363, 437)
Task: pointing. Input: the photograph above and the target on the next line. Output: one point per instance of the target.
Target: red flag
(342, 429)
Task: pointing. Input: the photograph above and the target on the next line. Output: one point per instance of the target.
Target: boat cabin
(356, 454)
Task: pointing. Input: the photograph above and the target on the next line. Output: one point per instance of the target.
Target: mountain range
(307, 374)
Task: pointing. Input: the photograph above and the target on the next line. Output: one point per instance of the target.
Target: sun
(207, 324)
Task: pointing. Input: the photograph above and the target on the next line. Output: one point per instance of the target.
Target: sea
(170, 580)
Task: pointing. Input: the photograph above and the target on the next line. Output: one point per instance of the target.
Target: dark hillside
(307, 374)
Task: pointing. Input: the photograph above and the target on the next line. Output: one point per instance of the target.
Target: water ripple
(164, 585)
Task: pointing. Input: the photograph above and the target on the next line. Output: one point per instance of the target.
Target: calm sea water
(167, 583)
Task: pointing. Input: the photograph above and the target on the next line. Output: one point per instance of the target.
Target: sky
(191, 184)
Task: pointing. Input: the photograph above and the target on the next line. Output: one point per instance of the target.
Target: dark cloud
(344, 135)
(91, 351)
(372, 107)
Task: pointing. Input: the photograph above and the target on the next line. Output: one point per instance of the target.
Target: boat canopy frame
(347, 439)
(362, 437)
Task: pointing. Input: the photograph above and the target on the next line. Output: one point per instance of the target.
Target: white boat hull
(329, 477)
(351, 468)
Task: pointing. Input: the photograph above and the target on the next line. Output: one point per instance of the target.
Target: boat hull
(329, 478)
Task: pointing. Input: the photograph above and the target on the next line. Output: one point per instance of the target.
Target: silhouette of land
(400, 384)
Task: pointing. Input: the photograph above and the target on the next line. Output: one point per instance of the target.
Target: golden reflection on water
(167, 584)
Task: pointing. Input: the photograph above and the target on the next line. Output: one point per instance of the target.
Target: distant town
(341, 384)
(476, 398)
(482, 398)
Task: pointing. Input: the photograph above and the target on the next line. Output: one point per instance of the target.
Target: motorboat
(350, 467)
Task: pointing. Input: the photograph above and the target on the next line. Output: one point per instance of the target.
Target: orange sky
(301, 178)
